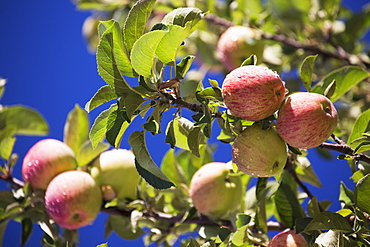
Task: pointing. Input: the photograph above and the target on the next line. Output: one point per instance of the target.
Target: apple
(116, 168)
(258, 152)
(253, 92)
(305, 120)
(73, 199)
(288, 238)
(238, 43)
(46, 159)
(214, 190)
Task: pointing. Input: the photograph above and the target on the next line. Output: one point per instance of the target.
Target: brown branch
(18, 183)
(339, 53)
(342, 147)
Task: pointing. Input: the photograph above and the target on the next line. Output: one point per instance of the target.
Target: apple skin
(116, 168)
(238, 43)
(258, 152)
(46, 159)
(253, 92)
(73, 199)
(288, 238)
(305, 120)
(214, 191)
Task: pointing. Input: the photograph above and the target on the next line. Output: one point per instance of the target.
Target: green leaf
(103, 95)
(122, 226)
(193, 243)
(172, 169)
(181, 16)
(26, 230)
(143, 52)
(171, 42)
(305, 71)
(313, 207)
(145, 164)
(2, 86)
(6, 146)
(345, 77)
(212, 93)
(87, 153)
(99, 127)
(131, 101)
(329, 221)
(361, 193)
(111, 53)
(306, 172)
(252, 60)
(3, 225)
(346, 195)
(286, 201)
(22, 120)
(240, 237)
(136, 21)
(170, 134)
(243, 219)
(359, 127)
(195, 138)
(183, 66)
(76, 128)
(182, 128)
(223, 233)
(116, 127)
(102, 245)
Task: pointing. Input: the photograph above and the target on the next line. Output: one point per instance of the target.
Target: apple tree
(296, 78)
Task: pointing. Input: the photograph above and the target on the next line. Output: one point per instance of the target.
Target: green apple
(259, 152)
(73, 199)
(306, 120)
(214, 190)
(46, 159)
(253, 92)
(238, 43)
(116, 168)
(288, 238)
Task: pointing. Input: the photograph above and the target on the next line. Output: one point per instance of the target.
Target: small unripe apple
(116, 168)
(253, 92)
(258, 152)
(288, 238)
(214, 190)
(73, 199)
(305, 120)
(46, 159)
(238, 43)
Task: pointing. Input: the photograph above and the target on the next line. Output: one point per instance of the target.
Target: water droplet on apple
(29, 163)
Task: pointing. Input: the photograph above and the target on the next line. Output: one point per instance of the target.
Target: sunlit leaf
(305, 71)
(99, 127)
(329, 221)
(143, 52)
(122, 226)
(2, 86)
(171, 169)
(346, 195)
(116, 127)
(87, 153)
(145, 164)
(183, 66)
(361, 193)
(112, 57)
(184, 16)
(103, 95)
(76, 128)
(136, 21)
(345, 78)
(359, 127)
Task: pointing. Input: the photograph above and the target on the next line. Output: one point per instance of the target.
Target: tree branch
(343, 147)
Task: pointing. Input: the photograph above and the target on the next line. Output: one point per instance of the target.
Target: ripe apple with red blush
(305, 120)
(73, 199)
(253, 92)
(46, 159)
(288, 238)
(215, 190)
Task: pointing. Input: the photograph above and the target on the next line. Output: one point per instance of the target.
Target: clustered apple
(253, 92)
(46, 159)
(215, 190)
(238, 43)
(73, 199)
(259, 152)
(116, 168)
(288, 238)
(304, 119)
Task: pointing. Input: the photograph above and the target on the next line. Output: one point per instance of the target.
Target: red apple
(288, 238)
(214, 190)
(116, 168)
(73, 199)
(238, 43)
(258, 152)
(46, 159)
(305, 120)
(253, 92)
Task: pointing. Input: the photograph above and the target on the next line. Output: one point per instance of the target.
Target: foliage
(146, 56)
